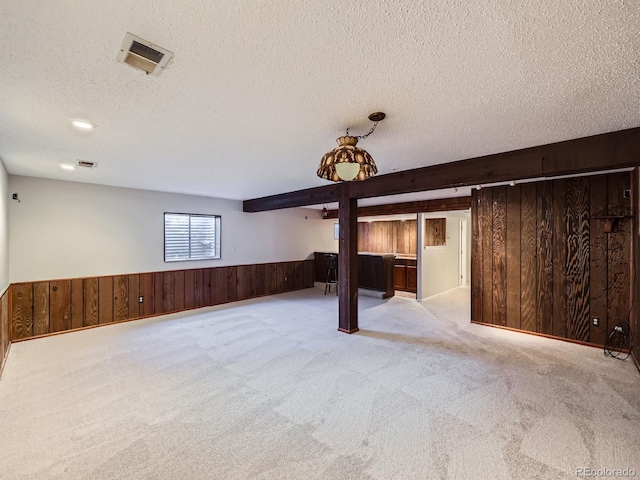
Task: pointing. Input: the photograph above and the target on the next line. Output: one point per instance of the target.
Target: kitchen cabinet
(406, 274)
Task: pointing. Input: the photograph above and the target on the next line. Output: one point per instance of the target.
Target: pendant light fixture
(347, 162)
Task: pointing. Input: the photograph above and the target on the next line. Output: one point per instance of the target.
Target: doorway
(462, 263)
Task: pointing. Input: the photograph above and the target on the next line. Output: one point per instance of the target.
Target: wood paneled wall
(41, 308)
(635, 324)
(435, 232)
(397, 236)
(5, 333)
(542, 262)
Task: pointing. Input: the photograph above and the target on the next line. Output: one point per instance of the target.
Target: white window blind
(191, 237)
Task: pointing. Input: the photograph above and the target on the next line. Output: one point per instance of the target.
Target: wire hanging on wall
(619, 342)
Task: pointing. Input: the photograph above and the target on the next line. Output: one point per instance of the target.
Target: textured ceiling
(259, 90)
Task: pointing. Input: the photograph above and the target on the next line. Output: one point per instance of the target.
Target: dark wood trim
(538, 334)
(348, 263)
(606, 151)
(438, 205)
(501, 167)
(299, 198)
(344, 330)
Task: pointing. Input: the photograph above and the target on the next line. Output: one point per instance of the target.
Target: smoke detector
(143, 55)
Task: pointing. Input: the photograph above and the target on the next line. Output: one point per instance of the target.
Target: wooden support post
(348, 262)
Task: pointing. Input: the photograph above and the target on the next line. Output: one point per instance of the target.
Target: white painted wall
(440, 265)
(69, 229)
(5, 199)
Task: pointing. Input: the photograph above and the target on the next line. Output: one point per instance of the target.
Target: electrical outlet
(286, 279)
(140, 299)
(596, 321)
(626, 193)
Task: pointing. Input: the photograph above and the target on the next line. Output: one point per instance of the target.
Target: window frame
(217, 219)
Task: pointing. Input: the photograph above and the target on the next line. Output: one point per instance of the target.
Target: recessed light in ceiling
(66, 166)
(83, 124)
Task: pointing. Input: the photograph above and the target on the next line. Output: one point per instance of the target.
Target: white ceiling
(258, 90)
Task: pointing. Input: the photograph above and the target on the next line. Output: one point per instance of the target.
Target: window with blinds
(191, 237)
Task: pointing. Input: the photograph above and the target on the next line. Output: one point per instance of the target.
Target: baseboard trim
(543, 335)
(635, 360)
(444, 291)
(344, 330)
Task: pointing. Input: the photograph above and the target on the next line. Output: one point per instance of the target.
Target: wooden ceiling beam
(501, 167)
(299, 198)
(599, 152)
(422, 206)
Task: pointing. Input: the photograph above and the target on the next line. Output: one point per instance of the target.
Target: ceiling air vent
(86, 164)
(143, 55)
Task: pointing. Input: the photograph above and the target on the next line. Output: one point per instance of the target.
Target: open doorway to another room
(443, 256)
(397, 235)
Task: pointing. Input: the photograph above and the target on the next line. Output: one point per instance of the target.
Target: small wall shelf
(611, 221)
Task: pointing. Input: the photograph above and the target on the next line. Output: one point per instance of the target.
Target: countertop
(402, 256)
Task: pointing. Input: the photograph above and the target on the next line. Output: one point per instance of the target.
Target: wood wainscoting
(43, 308)
(542, 261)
(5, 331)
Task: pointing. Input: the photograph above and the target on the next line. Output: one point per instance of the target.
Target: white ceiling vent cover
(143, 55)
(86, 164)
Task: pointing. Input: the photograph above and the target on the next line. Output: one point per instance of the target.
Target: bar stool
(331, 264)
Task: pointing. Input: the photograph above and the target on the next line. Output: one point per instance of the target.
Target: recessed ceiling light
(68, 167)
(83, 124)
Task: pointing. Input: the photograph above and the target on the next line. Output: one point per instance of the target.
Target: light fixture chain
(362, 137)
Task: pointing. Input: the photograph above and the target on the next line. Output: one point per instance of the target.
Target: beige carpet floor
(268, 389)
